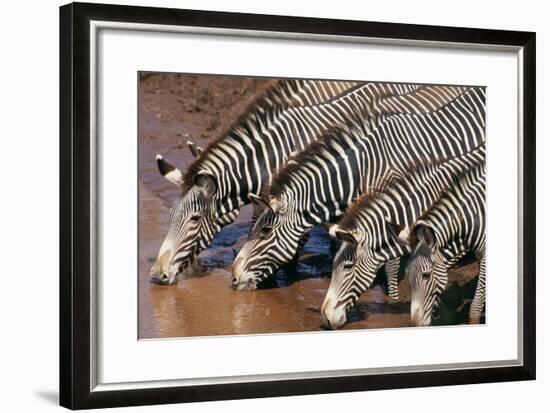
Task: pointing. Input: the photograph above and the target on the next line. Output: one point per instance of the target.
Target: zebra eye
(195, 218)
(265, 230)
(426, 275)
(348, 266)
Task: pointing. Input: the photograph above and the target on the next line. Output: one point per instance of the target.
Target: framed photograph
(257, 206)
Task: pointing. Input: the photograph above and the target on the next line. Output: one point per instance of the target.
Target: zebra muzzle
(333, 317)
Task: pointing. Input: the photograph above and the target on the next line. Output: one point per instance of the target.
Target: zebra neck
(422, 187)
(259, 115)
(460, 214)
(260, 142)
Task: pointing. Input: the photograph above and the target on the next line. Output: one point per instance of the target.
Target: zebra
(232, 170)
(317, 185)
(455, 225)
(376, 227)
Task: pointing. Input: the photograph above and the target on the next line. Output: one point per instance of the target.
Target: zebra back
(460, 215)
(343, 163)
(248, 157)
(320, 182)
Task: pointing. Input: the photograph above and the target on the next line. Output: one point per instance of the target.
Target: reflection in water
(202, 303)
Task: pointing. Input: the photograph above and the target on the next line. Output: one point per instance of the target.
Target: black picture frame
(75, 220)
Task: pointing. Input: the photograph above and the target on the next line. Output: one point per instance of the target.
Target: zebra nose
(161, 278)
(234, 282)
(325, 321)
(237, 268)
(325, 324)
(417, 318)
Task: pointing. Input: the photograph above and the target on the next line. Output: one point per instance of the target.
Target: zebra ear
(169, 171)
(207, 183)
(399, 232)
(276, 205)
(259, 203)
(425, 234)
(196, 151)
(338, 233)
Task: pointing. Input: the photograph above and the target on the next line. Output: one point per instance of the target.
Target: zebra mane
(348, 222)
(257, 113)
(437, 203)
(418, 169)
(410, 168)
(375, 192)
(331, 139)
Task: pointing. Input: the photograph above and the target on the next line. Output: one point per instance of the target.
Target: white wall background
(29, 207)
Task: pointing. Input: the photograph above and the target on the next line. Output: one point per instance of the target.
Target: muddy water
(203, 304)
(174, 109)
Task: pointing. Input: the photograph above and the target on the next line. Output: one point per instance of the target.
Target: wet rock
(309, 259)
(464, 275)
(240, 242)
(218, 257)
(458, 295)
(229, 235)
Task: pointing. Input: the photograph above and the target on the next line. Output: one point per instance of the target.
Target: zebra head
(192, 224)
(273, 241)
(355, 265)
(423, 279)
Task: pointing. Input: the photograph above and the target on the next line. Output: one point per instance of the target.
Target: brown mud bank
(177, 108)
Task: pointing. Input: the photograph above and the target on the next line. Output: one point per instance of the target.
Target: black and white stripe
(192, 224)
(236, 167)
(319, 183)
(376, 228)
(455, 225)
